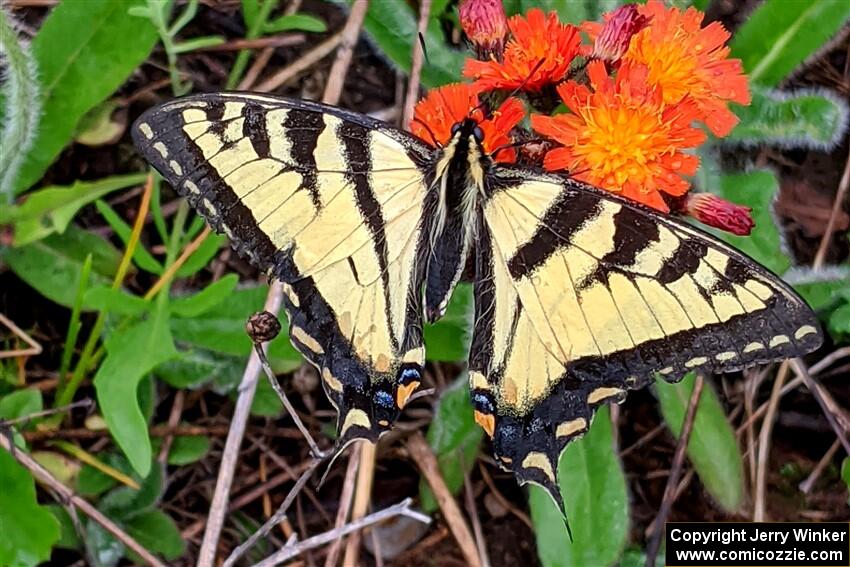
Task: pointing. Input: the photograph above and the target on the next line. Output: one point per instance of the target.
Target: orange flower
(621, 136)
(539, 53)
(685, 59)
(446, 106)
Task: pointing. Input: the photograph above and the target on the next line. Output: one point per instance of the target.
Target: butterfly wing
(580, 296)
(329, 202)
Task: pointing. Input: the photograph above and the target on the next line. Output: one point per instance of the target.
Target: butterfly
(579, 295)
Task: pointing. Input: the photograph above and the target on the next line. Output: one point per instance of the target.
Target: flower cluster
(638, 89)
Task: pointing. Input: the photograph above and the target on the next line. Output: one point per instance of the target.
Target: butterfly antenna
(518, 88)
(430, 132)
(424, 49)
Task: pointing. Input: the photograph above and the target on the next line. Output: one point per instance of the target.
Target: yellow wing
(331, 203)
(580, 296)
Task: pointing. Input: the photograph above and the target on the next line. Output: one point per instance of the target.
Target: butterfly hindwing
(580, 296)
(329, 202)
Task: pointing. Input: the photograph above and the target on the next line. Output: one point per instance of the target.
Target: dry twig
(301, 64)
(806, 485)
(230, 456)
(339, 69)
(416, 64)
(840, 195)
(671, 489)
(424, 458)
(278, 516)
(345, 500)
(293, 549)
(759, 506)
(34, 348)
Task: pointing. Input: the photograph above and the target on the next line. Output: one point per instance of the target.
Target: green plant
(159, 14)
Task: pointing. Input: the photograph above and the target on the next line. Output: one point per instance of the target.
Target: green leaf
(20, 112)
(141, 257)
(107, 299)
(29, 530)
(131, 354)
(266, 402)
(157, 532)
(124, 502)
(803, 119)
(845, 471)
(821, 288)
(712, 448)
(393, 26)
(223, 329)
(839, 321)
(448, 339)
(84, 51)
(250, 11)
(756, 189)
(300, 22)
(187, 449)
(594, 491)
(196, 367)
(92, 481)
(102, 545)
(455, 438)
(68, 538)
(202, 256)
(50, 210)
(779, 35)
(53, 265)
(201, 302)
(21, 403)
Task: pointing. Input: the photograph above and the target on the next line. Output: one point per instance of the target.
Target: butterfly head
(469, 130)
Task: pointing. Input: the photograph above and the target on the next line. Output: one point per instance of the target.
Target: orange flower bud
(713, 211)
(486, 26)
(620, 25)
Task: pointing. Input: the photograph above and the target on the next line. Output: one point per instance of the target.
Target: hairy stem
(22, 111)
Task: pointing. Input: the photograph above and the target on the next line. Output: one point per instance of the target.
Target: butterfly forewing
(581, 296)
(330, 202)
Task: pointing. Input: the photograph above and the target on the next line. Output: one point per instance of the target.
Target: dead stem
(806, 485)
(469, 494)
(840, 194)
(425, 460)
(34, 348)
(350, 34)
(416, 64)
(345, 500)
(301, 64)
(230, 456)
(671, 490)
(278, 516)
(759, 505)
(292, 549)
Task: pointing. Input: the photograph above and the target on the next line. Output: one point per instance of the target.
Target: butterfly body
(579, 295)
